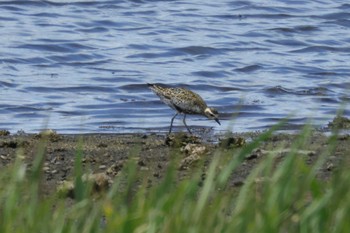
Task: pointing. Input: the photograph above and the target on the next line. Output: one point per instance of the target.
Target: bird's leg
(184, 121)
(171, 124)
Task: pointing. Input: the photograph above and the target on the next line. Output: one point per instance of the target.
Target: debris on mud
(105, 155)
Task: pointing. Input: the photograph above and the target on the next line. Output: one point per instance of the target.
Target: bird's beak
(217, 120)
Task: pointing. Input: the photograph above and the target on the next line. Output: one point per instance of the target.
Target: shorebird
(184, 101)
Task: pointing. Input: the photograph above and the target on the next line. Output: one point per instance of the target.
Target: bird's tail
(156, 88)
(151, 86)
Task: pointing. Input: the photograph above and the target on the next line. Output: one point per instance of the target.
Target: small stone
(189, 160)
(311, 153)
(256, 154)
(100, 181)
(141, 163)
(66, 189)
(50, 134)
(47, 132)
(102, 145)
(329, 166)
(194, 149)
(115, 168)
(232, 142)
(180, 139)
(238, 183)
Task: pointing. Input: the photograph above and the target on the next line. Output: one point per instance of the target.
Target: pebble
(100, 182)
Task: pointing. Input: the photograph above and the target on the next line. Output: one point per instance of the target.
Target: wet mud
(105, 155)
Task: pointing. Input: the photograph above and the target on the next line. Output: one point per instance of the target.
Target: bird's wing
(188, 101)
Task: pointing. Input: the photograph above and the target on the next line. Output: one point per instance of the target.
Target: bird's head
(212, 114)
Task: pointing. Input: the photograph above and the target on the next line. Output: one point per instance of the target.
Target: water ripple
(250, 68)
(82, 66)
(64, 48)
(320, 48)
(93, 89)
(279, 90)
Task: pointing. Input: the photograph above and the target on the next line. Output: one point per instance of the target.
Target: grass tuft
(281, 194)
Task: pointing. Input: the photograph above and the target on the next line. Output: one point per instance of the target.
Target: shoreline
(106, 154)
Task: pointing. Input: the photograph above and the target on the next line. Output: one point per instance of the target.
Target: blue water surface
(82, 66)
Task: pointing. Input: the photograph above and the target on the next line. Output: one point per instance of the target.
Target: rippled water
(82, 66)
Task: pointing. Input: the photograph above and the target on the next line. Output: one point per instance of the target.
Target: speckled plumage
(183, 101)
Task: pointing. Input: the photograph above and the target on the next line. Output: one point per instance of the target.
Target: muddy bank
(106, 154)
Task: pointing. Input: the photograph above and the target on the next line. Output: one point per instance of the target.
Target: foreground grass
(276, 197)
